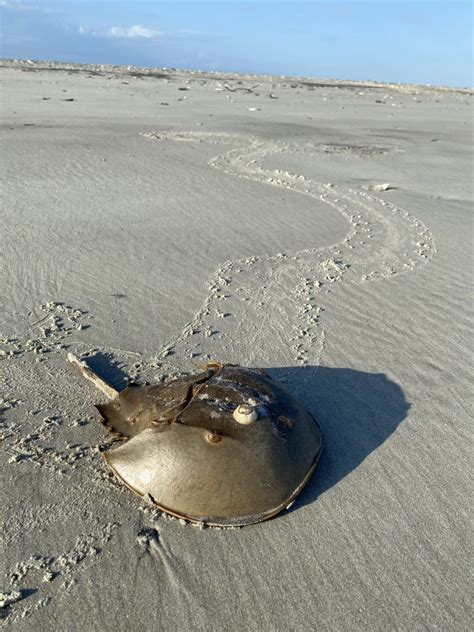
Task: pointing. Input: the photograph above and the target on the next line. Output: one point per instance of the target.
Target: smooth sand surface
(157, 221)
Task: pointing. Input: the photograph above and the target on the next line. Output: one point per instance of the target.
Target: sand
(320, 229)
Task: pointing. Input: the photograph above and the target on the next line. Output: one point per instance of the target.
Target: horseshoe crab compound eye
(245, 414)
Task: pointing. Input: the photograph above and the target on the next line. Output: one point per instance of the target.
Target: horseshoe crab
(225, 447)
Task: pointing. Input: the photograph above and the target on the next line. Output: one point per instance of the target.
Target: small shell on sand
(381, 187)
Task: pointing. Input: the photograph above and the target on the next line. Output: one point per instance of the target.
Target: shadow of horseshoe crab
(356, 411)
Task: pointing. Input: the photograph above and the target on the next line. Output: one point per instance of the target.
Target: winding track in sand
(259, 307)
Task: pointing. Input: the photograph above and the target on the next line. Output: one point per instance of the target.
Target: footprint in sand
(261, 308)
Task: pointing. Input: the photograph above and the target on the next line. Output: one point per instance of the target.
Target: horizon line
(148, 70)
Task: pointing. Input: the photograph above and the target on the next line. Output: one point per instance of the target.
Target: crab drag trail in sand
(261, 308)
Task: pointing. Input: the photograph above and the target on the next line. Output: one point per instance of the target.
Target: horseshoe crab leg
(88, 373)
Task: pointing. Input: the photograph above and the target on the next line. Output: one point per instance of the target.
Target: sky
(429, 42)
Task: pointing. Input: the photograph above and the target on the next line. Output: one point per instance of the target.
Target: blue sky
(410, 41)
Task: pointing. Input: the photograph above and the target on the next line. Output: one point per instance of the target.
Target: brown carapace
(225, 447)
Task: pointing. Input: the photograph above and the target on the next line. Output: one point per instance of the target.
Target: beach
(155, 220)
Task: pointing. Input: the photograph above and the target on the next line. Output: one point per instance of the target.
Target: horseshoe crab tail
(88, 373)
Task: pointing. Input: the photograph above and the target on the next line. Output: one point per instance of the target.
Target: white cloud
(136, 31)
(20, 6)
(132, 31)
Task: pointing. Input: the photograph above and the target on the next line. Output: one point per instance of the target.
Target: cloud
(137, 31)
(20, 6)
(132, 31)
